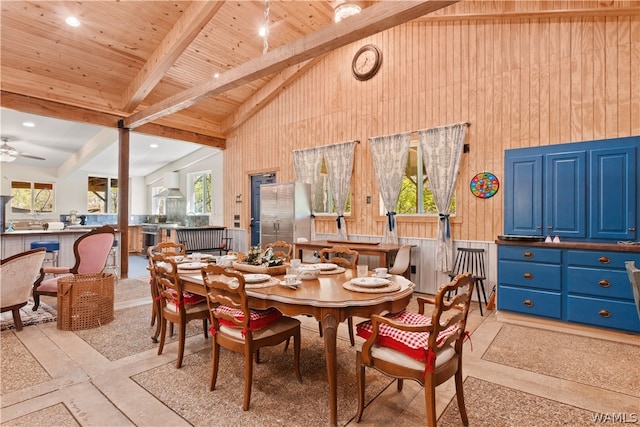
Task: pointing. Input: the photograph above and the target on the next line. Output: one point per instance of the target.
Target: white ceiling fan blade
(29, 156)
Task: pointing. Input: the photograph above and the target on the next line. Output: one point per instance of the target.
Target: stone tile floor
(52, 377)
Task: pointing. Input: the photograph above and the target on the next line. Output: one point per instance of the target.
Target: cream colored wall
(519, 82)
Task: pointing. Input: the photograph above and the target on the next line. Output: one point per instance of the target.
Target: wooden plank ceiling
(136, 60)
(127, 56)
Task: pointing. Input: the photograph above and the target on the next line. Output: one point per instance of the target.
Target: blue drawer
(530, 275)
(529, 253)
(599, 282)
(535, 303)
(601, 312)
(601, 259)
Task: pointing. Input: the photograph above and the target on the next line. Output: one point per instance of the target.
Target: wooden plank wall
(520, 81)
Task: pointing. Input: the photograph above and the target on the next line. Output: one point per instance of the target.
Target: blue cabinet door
(565, 194)
(523, 195)
(613, 193)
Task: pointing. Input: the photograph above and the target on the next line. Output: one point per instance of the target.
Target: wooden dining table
(328, 301)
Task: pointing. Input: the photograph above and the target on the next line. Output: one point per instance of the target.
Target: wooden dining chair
(169, 249)
(91, 251)
(281, 249)
(176, 305)
(236, 327)
(340, 255)
(344, 257)
(418, 347)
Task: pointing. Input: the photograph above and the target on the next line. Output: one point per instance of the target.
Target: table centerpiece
(260, 261)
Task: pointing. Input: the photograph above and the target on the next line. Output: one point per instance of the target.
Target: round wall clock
(484, 185)
(366, 62)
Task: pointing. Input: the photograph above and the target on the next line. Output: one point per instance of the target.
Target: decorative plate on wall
(484, 185)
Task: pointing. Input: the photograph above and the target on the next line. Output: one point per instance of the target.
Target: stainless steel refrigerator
(285, 212)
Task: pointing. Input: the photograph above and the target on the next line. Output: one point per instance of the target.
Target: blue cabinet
(568, 283)
(578, 191)
(613, 193)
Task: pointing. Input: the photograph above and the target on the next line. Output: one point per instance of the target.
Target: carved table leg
(330, 329)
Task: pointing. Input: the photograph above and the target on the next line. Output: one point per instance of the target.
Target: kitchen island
(14, 242)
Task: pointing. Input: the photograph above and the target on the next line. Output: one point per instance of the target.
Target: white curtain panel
(339, 160)
(389, 160)
(307, 163)
(441, 150)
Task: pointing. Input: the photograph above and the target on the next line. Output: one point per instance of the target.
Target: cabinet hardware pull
(632, 229)
(604, 283)
(604, 313)
(528, 276)
(604, 260)
(528, 303)
(528, 254)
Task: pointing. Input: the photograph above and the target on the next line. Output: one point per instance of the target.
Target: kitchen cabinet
(574, 282)
(577, 191)
(135, 239)
(285, 212)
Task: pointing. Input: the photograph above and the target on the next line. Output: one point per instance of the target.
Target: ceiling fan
(9, 154)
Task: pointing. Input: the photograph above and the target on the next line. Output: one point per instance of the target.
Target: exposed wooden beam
(123, 199)
(268, 92)
(534, 14)
(371, 20)
(57, 110)
(197, 15)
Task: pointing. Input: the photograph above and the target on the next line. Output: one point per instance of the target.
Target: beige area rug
(17, 363)
(493, 405)
(554, 354)
(277, 397)
(130, 333)
(44, 314)
(133, 288)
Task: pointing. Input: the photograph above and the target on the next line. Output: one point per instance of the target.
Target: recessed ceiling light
(72, 21)
(153, 145)
(345, 10)
(262, 31)
(216, 75)
(28, 124)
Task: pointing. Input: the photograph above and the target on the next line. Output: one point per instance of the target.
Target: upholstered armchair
(91, 251)
(18, 272)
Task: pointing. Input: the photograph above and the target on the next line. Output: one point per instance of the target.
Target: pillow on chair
(259, 318)
(413, 344)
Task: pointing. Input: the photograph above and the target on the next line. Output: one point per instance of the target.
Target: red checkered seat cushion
(258, 318)
(188, 297)
(413, 344)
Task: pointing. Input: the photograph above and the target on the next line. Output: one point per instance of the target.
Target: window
(31, 197)
(158, 204)
(102, 196)
(323, 200)
(199, 192)
(415, 195)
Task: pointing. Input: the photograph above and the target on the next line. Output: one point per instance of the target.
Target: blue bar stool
(51, 247)
(112, 259)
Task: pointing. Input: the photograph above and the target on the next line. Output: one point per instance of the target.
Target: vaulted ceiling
(127, 56)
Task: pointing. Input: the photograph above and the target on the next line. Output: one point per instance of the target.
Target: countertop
(618, 247)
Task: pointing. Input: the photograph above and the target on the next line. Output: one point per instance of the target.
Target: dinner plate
(326, 266)
(283, 283)
(308, 267)
(370, 282)
(256, 278)
(192, 265)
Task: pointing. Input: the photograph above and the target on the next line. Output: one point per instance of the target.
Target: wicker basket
(85, 301)
(272, 271)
